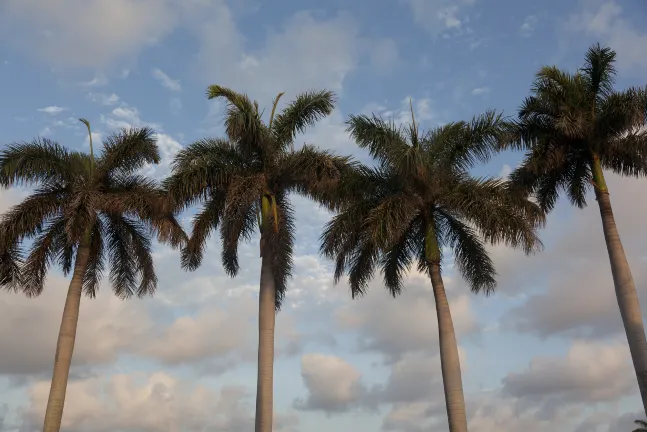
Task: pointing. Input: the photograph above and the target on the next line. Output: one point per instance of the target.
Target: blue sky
(546, 352)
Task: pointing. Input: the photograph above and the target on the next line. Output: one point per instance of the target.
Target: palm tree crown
(420, 199)
(575, 125)
(243, 181)
(102, 204)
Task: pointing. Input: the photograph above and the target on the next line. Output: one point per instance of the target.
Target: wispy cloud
(166, 81)
(52, 109)
(481, 91)
(528, 26)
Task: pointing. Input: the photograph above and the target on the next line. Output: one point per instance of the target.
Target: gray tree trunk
(266, 318)
(65, 345)
(625, 293)
(449, 359)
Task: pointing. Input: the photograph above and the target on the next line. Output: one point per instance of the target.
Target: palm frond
(37, 162)
(599, 70)
(128, 150)
(96, 255)
(627, 155)
(203, 168)
(384, 140)
(204, 222)
(41, 255)
(131, 264)
(242, 120)
(305, 111)
(239, 217)
(462, 145)
(397, 259)
(470, 256)
(280, 244)
(26, 219)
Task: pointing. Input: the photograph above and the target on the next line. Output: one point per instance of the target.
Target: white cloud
(107, 326)
(528, 26)
(480, 91)
(166, 81)
(150, 402)
(333, 384)
(83, 33)
(411, 324)
(52, 109)
(104, 99)
(437, 16)
(605, 21)
(575, 378)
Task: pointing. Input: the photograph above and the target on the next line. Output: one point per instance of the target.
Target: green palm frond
(470, 256)
(305, 111)
(242, 120)
(128, 150)
(239, 218)
(599, 70)
(463, 144)
(384, 140)
(96, 260)
(204, 222)
(37, 162)
(41, 255)
(280, 247)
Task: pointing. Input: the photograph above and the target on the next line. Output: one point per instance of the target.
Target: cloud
(481, 91)
(575, 378)
(437, 16)
(166, 81)
(52, 110)
(528, 26)
(304, 53)
(333, 384)
(82, 33)
(604, 20)
(219, 335)
(104, 99)
(410, 325)
(107, 326)
(150, 402)
(577, 257)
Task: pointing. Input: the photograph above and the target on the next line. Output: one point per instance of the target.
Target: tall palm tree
(642, 426)
(243, 182)
(418, 200)
(84, 213)
(574, 126)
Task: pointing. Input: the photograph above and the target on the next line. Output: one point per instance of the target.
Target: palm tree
(642, 426)
(243, 183)
(418, 200)
(84, 213)
(573, 128)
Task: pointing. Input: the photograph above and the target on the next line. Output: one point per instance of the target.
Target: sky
(546, 352)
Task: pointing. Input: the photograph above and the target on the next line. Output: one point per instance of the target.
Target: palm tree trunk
(449, 359)
(266, 317)
(625, 291)
(65, 344)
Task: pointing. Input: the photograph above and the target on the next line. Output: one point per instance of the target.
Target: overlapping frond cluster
(102, 205)
(420, 199)
(255, 163)
(569, 121)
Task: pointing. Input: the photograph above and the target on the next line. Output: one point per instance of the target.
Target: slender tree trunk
(449, 359)
(624, 285)
(65, 344)
(266, 317)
